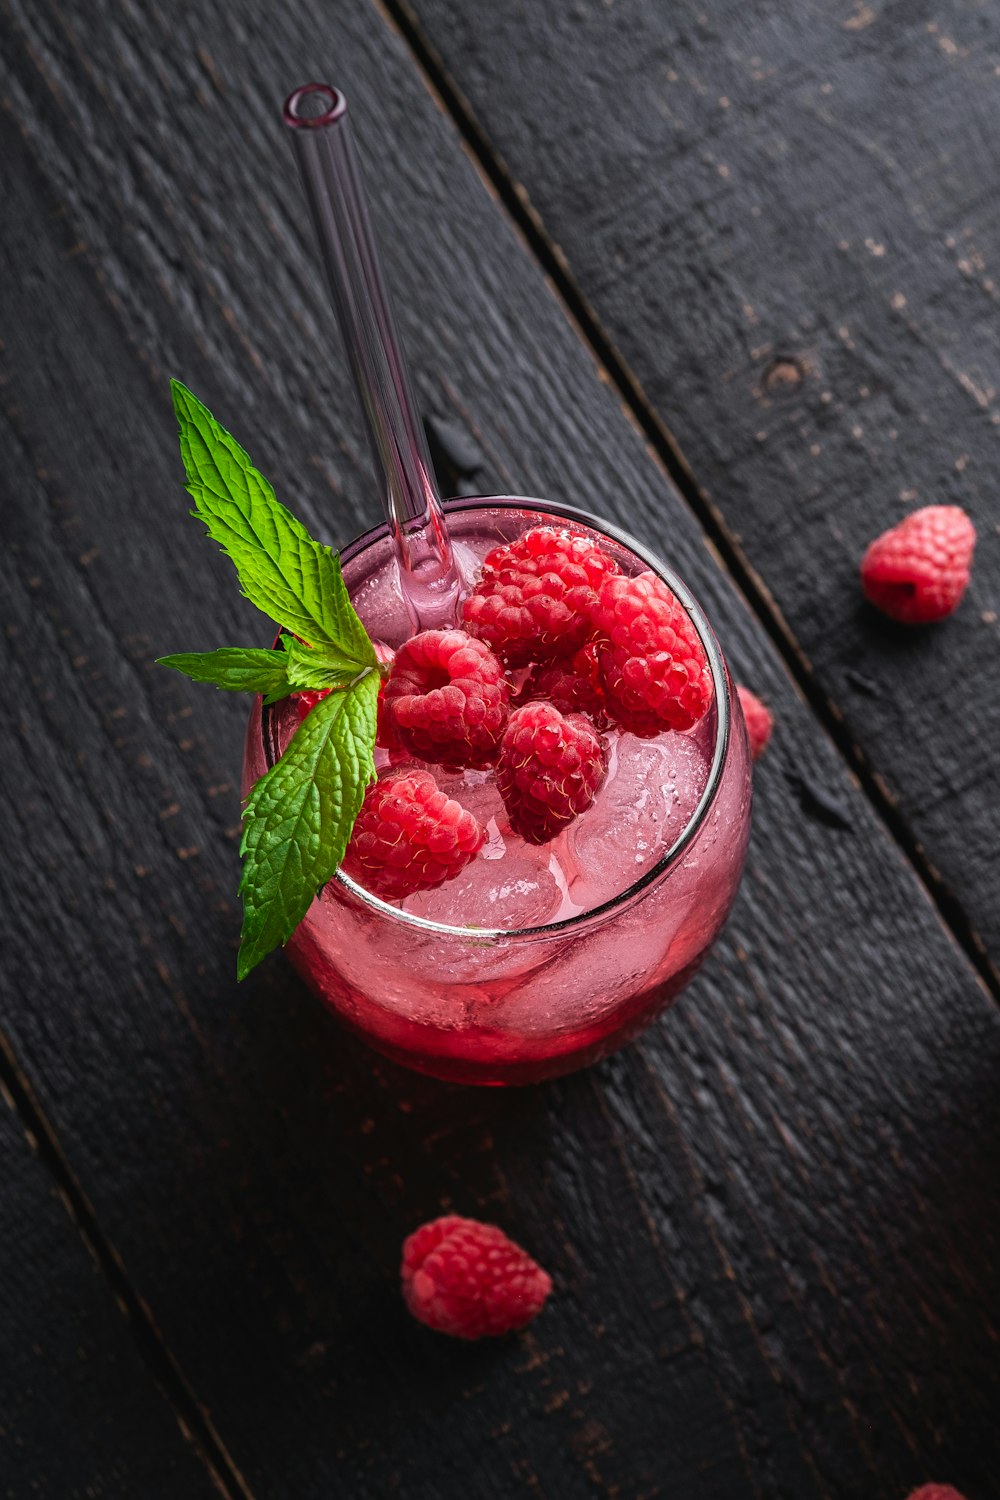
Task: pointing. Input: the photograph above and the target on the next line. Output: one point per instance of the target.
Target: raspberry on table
(550, 769)
(918, 571)
(447, 699)
(468, 1279)
(532, 603)
(409, 836)
(758, 718)
(651, 664)
(572, 686)
(935, 1492)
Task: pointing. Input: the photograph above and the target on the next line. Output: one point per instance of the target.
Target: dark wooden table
(729, 274)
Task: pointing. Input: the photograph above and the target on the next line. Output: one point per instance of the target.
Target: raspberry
(935, 1492)
(306, 702)
(534, 598)
(550, 769)
(651, 663)
(468, 1279)
(409, 836)
(759, 721)
(384, 734)
(918, 571)
(447, 699)
(571, 686)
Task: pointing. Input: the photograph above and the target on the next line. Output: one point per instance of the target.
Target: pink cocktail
(535, 959)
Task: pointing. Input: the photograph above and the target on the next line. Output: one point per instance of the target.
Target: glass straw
(331, 175)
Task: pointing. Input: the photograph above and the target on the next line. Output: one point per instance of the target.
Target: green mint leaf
(350, 636)
(237, 669)
(288, 575)
(320, 668)
(299, 817)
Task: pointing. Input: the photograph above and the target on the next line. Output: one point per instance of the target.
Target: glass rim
(580, 920)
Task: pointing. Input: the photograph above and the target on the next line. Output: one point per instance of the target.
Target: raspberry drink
(496, 779)
(559, 827)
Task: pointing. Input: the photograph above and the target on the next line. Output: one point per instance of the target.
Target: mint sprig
(322, 669)
(298, 818)
(289, 576)
(236, 669)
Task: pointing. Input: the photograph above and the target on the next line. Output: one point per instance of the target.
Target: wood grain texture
(771, 1224)
(785, 219)
(80, 1414)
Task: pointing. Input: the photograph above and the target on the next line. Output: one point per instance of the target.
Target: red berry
(306, 702)
(468, 1279)
(550, 769)
(918, 571)
(935, 1492)
(651, 663)
(571, 686)
(447, 699)
(385, 735)
(409, 836)
(759, 721)
(534, 598)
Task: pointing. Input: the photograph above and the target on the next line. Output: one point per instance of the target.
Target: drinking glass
(508, 1003)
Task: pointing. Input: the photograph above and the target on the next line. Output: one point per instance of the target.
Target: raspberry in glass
(385, 735)
(409, 836)
(533, 601)
(572, 686)
(918, 571)
(651, 664)
(468, 1279)
(447, 699)
(306, 702)
(550, 769)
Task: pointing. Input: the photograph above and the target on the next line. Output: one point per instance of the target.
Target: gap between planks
(612, 367)
(194, 1422)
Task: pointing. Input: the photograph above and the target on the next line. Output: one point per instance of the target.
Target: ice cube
(475, 790)
(591, 977)
(652, 789)
(518, 890)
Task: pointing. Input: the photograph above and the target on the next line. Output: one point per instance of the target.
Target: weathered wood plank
(764, 1218)
(79, 1413)
(785, 221)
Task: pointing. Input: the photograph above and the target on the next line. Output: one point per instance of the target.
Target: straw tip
(314, 105)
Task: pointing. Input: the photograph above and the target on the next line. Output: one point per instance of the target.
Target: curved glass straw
(331, 175)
